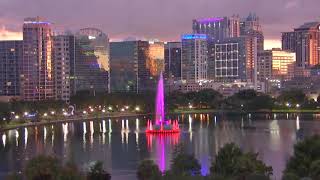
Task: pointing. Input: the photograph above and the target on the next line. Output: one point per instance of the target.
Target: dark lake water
(121, 142)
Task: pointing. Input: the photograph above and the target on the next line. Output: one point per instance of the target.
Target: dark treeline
(246, 100)
(231, 163)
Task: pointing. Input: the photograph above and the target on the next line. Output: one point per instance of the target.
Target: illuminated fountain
(161, 126)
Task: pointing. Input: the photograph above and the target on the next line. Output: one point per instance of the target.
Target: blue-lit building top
(193, 36)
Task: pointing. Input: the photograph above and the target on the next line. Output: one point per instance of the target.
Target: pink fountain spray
(161, 125)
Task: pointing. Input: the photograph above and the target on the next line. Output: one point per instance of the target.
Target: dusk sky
(153, 19)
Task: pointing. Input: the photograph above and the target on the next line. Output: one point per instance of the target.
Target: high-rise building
(264, 65)
(91, 67)
(305, 42)
(227, 60)
(124, 66)
(194, 63)
(251, 48)
(172, 60)
(37, 71)
(64, 58)
(251, 26)
(10, 61)
(135, 65)
(218, 28)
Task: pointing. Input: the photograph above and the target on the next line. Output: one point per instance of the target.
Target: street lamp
(190, 106)
(26, 113)
(288, 104)
(110, 108)
(91, 110)
(298, 105)
(122, 109)
(137, 108)
(84, 112)
(16, 117)
(103, 110)
(127, 107)
(45, 114)
(52, 112)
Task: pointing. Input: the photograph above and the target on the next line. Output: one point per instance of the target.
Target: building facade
(64, 58)
(91, 67)
(264, 65)
(10, 61)
(135, 65)
(250, 26)
(305, 42)
(194, 61)
(227, 60)
(218, 28)
(283, 64)
(37, 71)
(172, 60)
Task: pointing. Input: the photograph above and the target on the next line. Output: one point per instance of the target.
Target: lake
(121, 142)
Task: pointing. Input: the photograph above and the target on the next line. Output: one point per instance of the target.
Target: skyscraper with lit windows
(194, 64)
(37, 71)
(10, 61)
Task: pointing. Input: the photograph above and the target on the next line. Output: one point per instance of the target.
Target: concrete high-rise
(91, 67)
(64, 59)
(172, 60)
(37, 71)
(10, 61)
(251, 26)
(305, 42)
(194, 61)
(264, 65)
(218, 28)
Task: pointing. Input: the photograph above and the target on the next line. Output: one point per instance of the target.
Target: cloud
(162, 19)
(9, 35)
(291, 4)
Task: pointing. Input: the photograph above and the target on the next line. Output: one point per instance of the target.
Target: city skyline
(154, 19)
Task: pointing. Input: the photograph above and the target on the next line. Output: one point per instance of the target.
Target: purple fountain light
(161, 124)
(160, 116)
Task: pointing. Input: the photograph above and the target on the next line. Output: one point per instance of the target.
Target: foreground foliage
(305, 162)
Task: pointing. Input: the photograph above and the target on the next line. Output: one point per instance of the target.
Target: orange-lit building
(155, 60)
(283, 63)
(37, 65)
(305, 42)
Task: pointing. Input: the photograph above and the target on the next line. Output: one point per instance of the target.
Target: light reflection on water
(121, 143)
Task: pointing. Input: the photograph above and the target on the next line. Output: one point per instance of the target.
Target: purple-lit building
(37, 71)
(218, 28)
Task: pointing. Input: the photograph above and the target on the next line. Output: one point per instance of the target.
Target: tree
(231, 162)
(184, 164)
(305, 161)
(43, 167)
(70, 172)
(148, 170)
(292, 96)
(97, 172)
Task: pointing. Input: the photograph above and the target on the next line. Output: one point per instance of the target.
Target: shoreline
(32, 124)
(119, 115)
